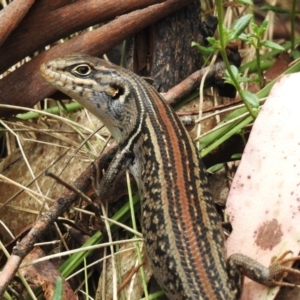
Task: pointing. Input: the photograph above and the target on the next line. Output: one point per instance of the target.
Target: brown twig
(128, 278)
(26, 87)
(44, 24)
(191, 83)
(11, 16)
(67, 185)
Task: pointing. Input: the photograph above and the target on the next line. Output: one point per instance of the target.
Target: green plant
(292, 14)
(225, 37)
(58, 291)
(254, 38)
(237, 120)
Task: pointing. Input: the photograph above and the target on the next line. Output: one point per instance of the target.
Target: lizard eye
(82, 70)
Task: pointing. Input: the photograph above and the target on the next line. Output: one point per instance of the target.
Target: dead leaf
(264, 200)
(280, 65)
(44, 275)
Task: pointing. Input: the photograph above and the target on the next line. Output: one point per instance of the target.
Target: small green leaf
(264, 24)
(247, 2)
(195, 44)
(275, 9)
(295, 54)
(226, 33)
(245, 79)
(239, 26)
(234, 71)
(236, 74)
(227, 78)
(262, 28)
(252, 99)
(204, 50)
(244, 37)
(215, 168)
(58, 291)
(212, 40)
(254, 27)
(236, 156)
(228, 81)
(272, 45)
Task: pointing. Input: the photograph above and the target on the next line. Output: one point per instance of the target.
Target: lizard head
(107, 91)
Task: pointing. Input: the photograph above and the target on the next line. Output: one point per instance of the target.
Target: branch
(25, 86)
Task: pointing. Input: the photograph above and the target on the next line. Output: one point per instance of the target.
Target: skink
(181, 228)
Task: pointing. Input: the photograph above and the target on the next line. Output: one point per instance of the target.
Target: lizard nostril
(48, 68)
(49, 65)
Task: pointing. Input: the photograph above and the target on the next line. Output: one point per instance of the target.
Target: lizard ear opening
(118, 91)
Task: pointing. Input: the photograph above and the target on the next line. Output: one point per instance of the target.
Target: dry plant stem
(11, 16)
(6, 276)
(128, 278)
(30, 182)
(68, 186)
(25, 86)
(210, 109)
(55, 24)
(42, 225)
(191, 83)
